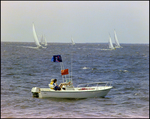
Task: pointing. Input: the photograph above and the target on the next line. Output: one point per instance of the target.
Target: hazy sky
(85, 21)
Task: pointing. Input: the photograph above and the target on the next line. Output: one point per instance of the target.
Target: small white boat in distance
(43, 41)
(111, 44)
(73, 43)
(72, 92)
(36, 38)
(116, 41)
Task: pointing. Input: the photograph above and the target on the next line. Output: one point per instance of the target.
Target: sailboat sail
(73, 43)
(35, 37)
(116, 40)
(110, 43)
(43, 41)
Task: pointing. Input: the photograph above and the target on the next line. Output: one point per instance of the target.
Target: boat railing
(87, 84)
(68, 80)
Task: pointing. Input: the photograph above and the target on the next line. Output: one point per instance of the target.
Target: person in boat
(56, 87)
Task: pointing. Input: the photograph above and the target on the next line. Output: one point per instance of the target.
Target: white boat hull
(89, 92)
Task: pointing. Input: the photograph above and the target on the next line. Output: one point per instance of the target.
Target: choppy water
(24, 67)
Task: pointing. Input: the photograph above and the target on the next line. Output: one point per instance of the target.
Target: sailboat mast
(62, 67)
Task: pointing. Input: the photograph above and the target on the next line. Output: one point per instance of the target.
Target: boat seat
(51, 86)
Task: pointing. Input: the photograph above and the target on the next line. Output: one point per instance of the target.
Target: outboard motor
(35, 91)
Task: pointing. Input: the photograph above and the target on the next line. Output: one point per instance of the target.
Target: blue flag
(56, 58)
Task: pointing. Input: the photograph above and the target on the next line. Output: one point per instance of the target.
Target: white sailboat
(43, 41)
(73, 43)
(116, 41)
(110, 44)
(36, 38)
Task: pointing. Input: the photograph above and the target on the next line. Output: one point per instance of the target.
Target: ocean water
(23, 66)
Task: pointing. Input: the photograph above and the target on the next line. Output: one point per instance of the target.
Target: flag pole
(71, 60)
(54, 59)
(61, 69)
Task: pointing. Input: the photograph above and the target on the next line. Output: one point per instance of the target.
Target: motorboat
(74, 92)
(87, 90)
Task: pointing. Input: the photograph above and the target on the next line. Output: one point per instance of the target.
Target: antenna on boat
(62, 67)
(71, 58)
(71, 66)
(71, 63)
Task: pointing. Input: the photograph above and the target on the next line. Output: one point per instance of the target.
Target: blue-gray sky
(85, 21)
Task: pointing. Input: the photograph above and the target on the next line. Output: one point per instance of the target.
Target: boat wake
(104, 49)
(29, 47)
(32, 47)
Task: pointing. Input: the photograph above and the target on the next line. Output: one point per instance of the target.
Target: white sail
(110, 43)
(73, 43)
(45, 41)
(42, 40)
(116, 40)
(35, 37)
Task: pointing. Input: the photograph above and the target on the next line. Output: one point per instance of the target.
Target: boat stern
(35, 91)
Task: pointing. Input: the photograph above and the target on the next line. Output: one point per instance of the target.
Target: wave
(123, 70)
(94, 68)
(85, 68)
